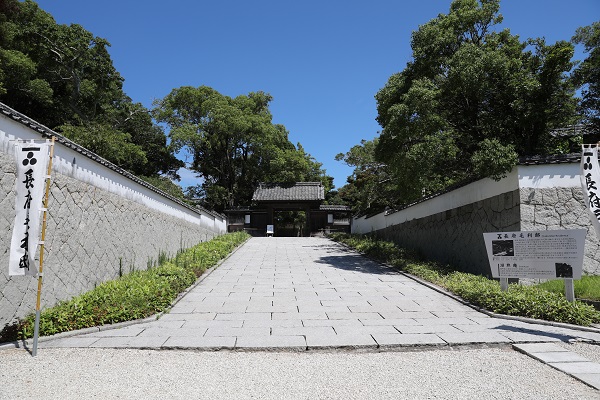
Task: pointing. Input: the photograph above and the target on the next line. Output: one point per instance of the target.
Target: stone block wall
(560, 208)
(456, 236)
(449, 227)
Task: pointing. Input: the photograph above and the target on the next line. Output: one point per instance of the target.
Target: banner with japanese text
(32, 163)
(590, 179)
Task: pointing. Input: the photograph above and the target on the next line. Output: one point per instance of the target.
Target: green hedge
(136, 295)
(519, 300)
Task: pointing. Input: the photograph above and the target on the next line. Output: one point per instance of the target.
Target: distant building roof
(571, 131)
(551, 159)
(333, 207)
(299, 191)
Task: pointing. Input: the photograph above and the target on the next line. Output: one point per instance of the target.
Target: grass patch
(518, 300)
(135, 295)
(588, 287)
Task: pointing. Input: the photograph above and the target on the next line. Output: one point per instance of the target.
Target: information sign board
(536, 254)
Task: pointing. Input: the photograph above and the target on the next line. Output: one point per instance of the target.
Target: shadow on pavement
(561, 337)
(326, 247)
(355, 262)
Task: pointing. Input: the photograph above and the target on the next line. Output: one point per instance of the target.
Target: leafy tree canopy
(168, 186)
(472, 99)
(587, 75)
(369, 189)
(234, 144)
(63, 77)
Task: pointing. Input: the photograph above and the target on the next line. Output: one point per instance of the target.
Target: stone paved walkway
(308, 293)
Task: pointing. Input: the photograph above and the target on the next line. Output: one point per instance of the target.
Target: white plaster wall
(70, 163)
(549, 176)
(363, 225)
(471, 193)
(544, 176)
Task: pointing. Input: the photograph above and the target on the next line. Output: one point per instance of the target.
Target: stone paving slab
(524, 337)
(564, 360)
(333, 341)
(290, 343)
(123, 332)
(560, 357)
(208, 324)
(591, 379)
(238, 332)
(429, 328)
(453, 338)
(206, 343)
(397, 339)
(174, 332)
(69, 342)
(152, 342)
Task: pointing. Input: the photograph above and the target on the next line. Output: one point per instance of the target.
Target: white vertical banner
(32, 163)
(590, 182)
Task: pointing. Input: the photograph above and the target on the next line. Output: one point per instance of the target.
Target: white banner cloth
(32, 167)
(590, 181)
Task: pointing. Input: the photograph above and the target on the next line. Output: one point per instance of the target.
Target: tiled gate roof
(299, 191)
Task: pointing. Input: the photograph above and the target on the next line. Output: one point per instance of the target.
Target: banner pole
(36, 331)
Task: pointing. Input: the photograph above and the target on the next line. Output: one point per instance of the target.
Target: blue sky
(322, 61)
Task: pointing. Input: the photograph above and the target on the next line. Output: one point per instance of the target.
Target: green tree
(471, 101)
(63, 77)
(166, 185)
(369, 189)
(136, 120)
(67, 59)
(233, 142)
(587, 76)
(291, 164)
(107, 142)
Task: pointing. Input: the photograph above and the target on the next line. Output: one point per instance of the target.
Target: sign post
(36, 332)
(537, 254)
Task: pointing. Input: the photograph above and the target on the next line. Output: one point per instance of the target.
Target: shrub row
(518, 300)
(136, 295)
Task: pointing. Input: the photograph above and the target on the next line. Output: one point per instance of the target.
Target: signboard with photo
(538, 254)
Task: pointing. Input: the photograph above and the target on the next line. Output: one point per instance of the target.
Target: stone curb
(369, 348)
(564, 361)
(482, 310)
(28, 343)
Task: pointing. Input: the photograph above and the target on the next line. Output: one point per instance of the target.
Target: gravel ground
(484, 373)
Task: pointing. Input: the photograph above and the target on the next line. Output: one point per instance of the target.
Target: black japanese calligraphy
(29, 179)
(29, 184)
